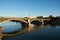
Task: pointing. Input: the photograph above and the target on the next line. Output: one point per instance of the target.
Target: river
(43, 32)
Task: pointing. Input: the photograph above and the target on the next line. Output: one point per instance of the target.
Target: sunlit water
(46, 32)
(10, 26)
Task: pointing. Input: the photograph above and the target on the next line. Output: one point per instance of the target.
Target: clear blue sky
(19, 8)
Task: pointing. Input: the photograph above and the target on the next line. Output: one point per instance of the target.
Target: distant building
(33, 17)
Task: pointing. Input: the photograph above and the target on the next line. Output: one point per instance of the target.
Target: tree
(40, 17)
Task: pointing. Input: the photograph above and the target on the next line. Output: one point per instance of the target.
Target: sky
(23, 8)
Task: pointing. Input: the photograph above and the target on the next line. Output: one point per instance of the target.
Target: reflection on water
(11, 26)
(41, 32)
(38, 33)
(34, 28)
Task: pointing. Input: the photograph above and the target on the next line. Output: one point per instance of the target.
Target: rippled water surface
(47, 32)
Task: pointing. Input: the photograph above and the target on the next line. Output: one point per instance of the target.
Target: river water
(42, 32)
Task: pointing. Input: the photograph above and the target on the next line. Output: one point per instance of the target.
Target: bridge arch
(46, 22)
(16, 20)
(36, 22)
(23, 23)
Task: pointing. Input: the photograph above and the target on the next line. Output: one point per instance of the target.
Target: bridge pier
(29, 23)
(42, 22)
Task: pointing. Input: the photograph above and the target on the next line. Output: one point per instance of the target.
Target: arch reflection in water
(41, 31)
(25, 30)
(34, 28)
(11, 26)
(16, 33)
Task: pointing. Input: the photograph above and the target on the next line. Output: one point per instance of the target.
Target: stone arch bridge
(26, 20)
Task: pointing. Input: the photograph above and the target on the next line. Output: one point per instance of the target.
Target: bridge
(27, 20)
